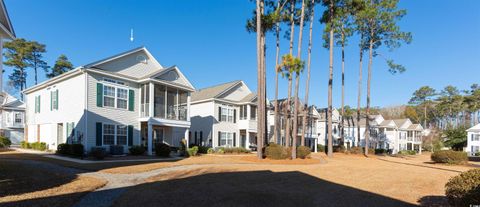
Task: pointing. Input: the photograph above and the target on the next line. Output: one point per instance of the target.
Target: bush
(464, 189)
(339, 148)
(356, 150)
(137, 150)
(477, 154)
(450, 157)
(98, 153)
(42, 146)
(380, 151)
(162, 150)
(192, 151)
(277, 152)
(5, 141)
(407, 152)
(210, 151)
(320, 148)
(220, 150)
(25, 145)
(235, 150)
(77, 150)
(116, 149)
(303, 152)
(182, 148)
(203, 149)
(63, 149)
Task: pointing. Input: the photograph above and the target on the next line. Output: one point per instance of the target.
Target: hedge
(449, 156)
(162, 150)
(137, 150)
(76, 150)
(407, 152)
(464, 189)
(192, 151)
(5, 142)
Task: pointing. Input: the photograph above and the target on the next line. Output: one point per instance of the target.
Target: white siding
(130, 66)
(71, 104)
(202, 119)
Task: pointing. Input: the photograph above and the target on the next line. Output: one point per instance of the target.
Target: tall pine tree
(61, 66)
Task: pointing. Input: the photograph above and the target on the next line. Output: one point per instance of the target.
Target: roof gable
(136, 63)
(475, 128)
(236, 93)
(174, 75)
(213, 91)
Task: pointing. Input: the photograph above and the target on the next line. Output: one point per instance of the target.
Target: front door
(158, 135)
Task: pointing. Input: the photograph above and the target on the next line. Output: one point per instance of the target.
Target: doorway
(158, 135)
(59, 133)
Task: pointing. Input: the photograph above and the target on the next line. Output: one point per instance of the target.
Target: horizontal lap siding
(110, 115)
(71, 104)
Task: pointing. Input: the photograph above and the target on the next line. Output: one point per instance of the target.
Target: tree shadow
(251, 188)
(434, 201)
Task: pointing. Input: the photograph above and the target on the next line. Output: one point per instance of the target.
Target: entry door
(158, 135)
(59, 133)
(243, 140)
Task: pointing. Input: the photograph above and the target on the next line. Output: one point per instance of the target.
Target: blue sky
(207, 40)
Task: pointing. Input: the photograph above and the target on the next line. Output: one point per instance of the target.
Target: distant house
(224, 115)
(473, 140)
(127, 99)
(12, 110)
(394, 135)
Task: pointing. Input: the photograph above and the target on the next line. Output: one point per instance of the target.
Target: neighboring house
(11, 109)
(224, 115)
(311, 136)
(473, 140)
(127, 99)
(394, 135)
(12, 118)
(322, 129)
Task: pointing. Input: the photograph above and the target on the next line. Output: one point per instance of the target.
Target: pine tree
(61, 66)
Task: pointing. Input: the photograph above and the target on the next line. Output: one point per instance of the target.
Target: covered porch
(248, 139)
(155, 131)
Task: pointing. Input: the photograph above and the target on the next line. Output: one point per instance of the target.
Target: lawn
(230, 180)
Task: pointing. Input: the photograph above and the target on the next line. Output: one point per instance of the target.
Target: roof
(400, 122)
(475, 128)
(249, 98)
(128, 72)
(415, 127)
(5, 23)
(213, 91)
(8, 101)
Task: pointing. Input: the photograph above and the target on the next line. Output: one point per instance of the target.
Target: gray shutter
(130, 135)
(56, 100)
(234, 115)
(219, 114)
(234, 139)
(218, 144)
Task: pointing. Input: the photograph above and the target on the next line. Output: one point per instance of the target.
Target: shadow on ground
(252, 188)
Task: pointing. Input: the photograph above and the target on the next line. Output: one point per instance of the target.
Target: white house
(12, 118)
(322, 129)
(11, 109)
(127, 99)
(473, 140)
(224, 115)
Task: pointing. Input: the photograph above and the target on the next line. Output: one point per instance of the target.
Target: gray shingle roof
(213, 91)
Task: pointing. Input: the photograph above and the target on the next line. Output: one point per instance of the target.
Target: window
(475, 149)
(253, 112)
(226, 114)
(409, 134)
(37, 104)
(243, 112)
(122, 97)
(18, 118)
(54, 99)
(115, 97)
(475, 137)
(108, 96)
(121, 135)
(108, 134)
(226, 139)
(114, 81)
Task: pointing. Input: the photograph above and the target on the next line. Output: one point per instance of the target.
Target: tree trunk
(297, 80)
(330, 84)
(288, 107)
(307, 84)
(369, 80)
(342, 135)
(359, 97)
(259, 77)
(425, 115)
(276, 127)
(295, 118)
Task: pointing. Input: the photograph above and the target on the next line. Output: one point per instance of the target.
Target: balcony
(14, 125)
(168, 103)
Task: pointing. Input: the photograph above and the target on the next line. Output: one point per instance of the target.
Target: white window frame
(227, 136)
(227, 114)
(115, 96)
(476, 137)
(115, 134)
(15, 117)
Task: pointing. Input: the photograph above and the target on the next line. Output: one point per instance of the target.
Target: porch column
(152, 102)
(247, 139)
(316, 143)
(187, 138)
(188, 106)
(150, 138)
